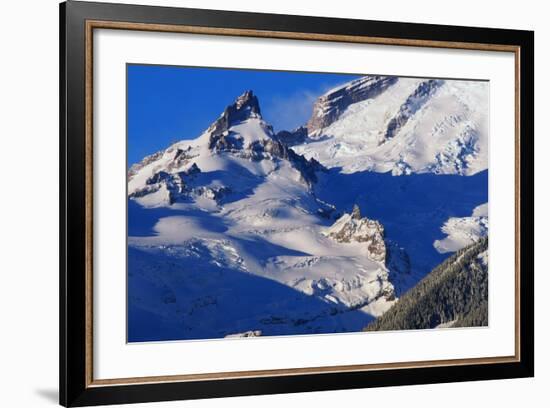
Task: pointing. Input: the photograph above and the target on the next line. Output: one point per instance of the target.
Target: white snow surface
(243, 248)
(448, 134)
(264, 240)
(464, 231)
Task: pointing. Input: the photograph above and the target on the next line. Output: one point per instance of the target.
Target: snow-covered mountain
(226, 236)
(243, 232)
(402, 125)
(235, 153)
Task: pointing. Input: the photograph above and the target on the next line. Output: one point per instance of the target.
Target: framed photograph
(256, 203)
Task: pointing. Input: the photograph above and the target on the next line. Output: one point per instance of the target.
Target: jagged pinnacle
(356, 213)
(248, 99)
(246, 106)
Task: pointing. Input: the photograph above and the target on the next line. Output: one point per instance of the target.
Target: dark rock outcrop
(328, 108)
(272, 148)
(294, 137)
(146, 160)
(413, 103)
(175, 183)
(245, 107)
(223, 138)
(356, 212)
(355, 228)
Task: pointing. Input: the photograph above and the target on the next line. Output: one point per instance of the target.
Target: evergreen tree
(456, 291)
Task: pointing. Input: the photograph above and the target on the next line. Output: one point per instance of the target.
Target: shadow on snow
(197, 299)
(412, 208)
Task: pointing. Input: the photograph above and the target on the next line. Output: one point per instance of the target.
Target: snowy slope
(406, 125)
(236, 233)
(226, 237)
(464, 231)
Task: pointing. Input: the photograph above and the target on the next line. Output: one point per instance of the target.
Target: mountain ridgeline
(402, 125)
(454, 294)
(244, 231)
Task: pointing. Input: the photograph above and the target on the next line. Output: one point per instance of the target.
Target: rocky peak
(356, 212)
(245, 107)
(267, 146)
(246, 102)
(354, 228)
(328, 108)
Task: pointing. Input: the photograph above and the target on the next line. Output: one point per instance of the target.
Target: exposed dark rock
(249, 333)
(223, 139)
(294, 137)
(272, 148)
(354, 228)
(413, 103)
(142, 192)
(146, 160)
(181, 157)
(328, 108)
(175, 183)
(245, 107)
(401, 168)
(157, 177)
(307, 168)
(268, 148)
(457, 154)
(194, 169)
(213, 193)
(356, 212)
(225, 142)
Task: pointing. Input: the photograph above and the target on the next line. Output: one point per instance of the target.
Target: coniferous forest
(454, 294)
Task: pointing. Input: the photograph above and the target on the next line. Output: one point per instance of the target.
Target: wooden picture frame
(78, 20)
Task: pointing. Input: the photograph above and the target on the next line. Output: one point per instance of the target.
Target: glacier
(237, 233)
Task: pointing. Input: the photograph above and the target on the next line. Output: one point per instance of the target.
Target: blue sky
(169, 103)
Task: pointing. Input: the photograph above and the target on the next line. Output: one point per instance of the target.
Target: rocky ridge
(328, 108)
(173, 170)
(355, 228)
(398, 124)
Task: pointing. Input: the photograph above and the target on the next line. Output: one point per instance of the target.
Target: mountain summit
(403, 125)
(245, 107)
(242, 232)
(235, 233)
(247, 102)
(238, 139)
